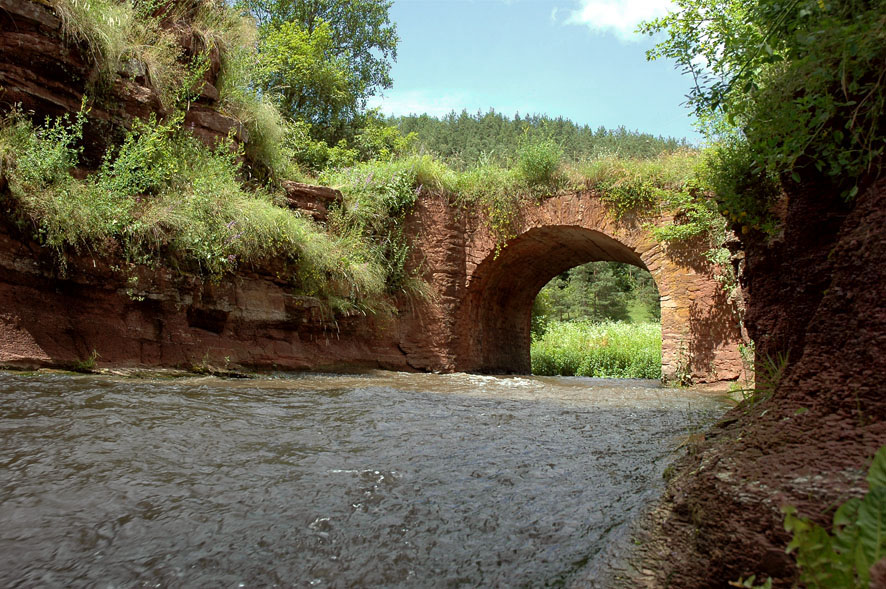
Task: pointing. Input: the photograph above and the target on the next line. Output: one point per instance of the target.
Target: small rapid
(382, 479)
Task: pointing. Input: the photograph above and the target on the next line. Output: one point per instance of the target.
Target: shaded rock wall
(150, 318)
(819, 295)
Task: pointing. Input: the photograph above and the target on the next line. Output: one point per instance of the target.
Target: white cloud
(417, 102)
(554, 12)
(427, 101)
(618, 16)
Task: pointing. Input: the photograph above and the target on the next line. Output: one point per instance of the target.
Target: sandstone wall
(817, 294)
(156, 319)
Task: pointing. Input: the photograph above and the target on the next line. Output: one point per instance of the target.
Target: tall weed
(538, 164)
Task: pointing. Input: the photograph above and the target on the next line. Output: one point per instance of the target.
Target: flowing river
(383, 479)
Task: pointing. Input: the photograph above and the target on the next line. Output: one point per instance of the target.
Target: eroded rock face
(146, 318)
(38, 71)
(46, 74)
(818, 295)
(313, 201)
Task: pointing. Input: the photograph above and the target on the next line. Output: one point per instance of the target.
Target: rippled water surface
(385, 479)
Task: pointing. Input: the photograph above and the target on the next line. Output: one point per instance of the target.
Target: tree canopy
(800, 82)
(322, 59)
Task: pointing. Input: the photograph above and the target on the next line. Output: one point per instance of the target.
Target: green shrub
(380, 141)
(608, 349)
(538, 164)
(45, 155)
(745, 192)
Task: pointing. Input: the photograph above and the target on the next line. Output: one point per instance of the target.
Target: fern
(844, 558)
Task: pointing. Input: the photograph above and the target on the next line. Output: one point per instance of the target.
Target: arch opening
(599, 319)
(504, 287)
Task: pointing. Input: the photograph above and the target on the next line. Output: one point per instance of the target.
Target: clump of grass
(123, 37)
(270, 135)
(608, 349)
(767, 375)
(391, 184)
(636, 185)
(165, 197)
(131, 38)
(538, 164)
(105, 27)
(377, 197)
(223, 27)
(496, 192)
(88, 365)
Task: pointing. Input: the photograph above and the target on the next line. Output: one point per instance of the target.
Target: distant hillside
(463, 138)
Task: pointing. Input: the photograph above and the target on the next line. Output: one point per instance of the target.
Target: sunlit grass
(608, 349)
(164, 197)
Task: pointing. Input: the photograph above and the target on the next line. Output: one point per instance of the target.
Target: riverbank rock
(116, 315)
(817, 295)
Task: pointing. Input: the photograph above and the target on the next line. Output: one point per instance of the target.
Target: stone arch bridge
(480, 319)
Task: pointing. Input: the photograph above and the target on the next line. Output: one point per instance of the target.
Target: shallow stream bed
(385, 479)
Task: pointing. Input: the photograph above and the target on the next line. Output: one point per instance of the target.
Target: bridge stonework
(479, 320)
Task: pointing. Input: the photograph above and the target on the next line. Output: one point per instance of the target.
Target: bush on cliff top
(165, 197)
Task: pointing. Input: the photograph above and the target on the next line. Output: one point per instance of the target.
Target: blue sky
(574, 58)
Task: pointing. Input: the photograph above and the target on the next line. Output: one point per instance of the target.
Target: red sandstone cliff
(819, 295)
(142, 316)
(47, 75)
